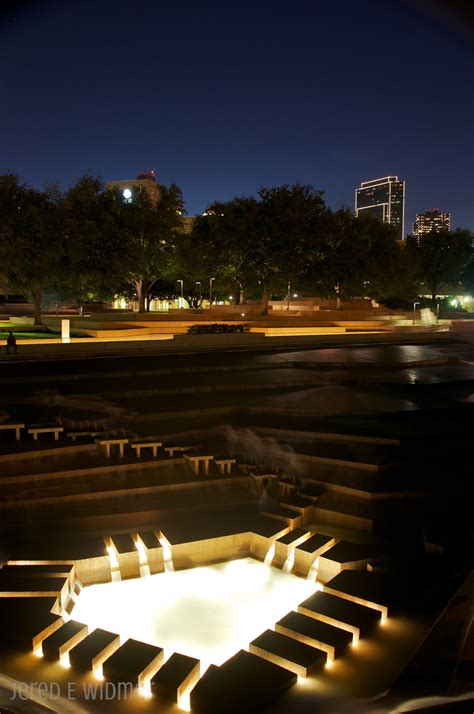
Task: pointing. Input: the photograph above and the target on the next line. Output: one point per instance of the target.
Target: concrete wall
(211, 550)
(93, 570)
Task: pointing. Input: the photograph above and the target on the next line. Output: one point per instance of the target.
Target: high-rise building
(143, 181)
(385, 199)
(431, 220)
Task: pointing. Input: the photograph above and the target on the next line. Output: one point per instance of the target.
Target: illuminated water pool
(209, 613)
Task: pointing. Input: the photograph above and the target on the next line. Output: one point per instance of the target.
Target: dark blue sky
(223, 98)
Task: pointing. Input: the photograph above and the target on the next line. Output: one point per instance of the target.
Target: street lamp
(198, 282)
(414, 310)
(211, 280)
(182, 294)
(288, 297)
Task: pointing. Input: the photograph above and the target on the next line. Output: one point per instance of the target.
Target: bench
(107, 443)
(35, 430)
(225, 465)
(17, 427)
(196, 459)
(172, 449)
(154, 445)
(75, 434)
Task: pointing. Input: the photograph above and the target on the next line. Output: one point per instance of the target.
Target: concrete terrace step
(58, 644)
(288, 652)
(244, 683)
(314, 633)
(99, 642)
(349, 616)
(21, 618)
(133, 662)
(178, 674)
(368, 589)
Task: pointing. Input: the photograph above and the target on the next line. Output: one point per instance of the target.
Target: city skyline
(222, 103)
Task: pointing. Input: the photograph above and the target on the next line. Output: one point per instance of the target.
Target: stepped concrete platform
(346, 555)
(134, 662)
(57, 645)
(370, 589)
(286, 544)
(309, 550)
(43, 570)
(327, 638)
(245, 683)
(285, 515)
(66, 549)
(40, 586)
(93, 650)
(176, 677)
(356, 619)
(128, 555)
(21, 618)
(288, 652)
(303, 506)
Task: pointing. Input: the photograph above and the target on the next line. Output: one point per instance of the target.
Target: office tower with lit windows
(143, 182)
(431, 220)
(384, 198)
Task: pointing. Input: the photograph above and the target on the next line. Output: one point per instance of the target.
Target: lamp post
(211, 280)
(198, 282)
(437, 312)
(288, 297)
(182, 294)
(414, 310)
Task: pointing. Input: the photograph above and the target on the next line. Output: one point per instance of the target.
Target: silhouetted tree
(441, 257)
(31, 246)
(264, 241)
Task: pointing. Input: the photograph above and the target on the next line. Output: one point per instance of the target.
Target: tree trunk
(38, 320)
(265, 299)
(140, 296)
(241, 295)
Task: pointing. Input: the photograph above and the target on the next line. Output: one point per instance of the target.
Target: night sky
(223, 98)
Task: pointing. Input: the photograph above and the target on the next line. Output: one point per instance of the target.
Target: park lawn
(29, 335)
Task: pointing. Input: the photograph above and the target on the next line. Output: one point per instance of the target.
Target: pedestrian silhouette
(11, 342)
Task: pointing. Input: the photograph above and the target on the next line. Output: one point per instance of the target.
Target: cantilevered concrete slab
(307, 551)
(133, 662)
(43, 570)
(149, 539)
(177, 676)
(288, 652)
(245, 683)
(349, 616)
(328, 638)
(22, 618)
(361, 587)
(99, 642)
(287, 543)
(62, 640)
(347, 555)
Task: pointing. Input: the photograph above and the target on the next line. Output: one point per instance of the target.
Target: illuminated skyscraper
(431, 220)
(385, 199)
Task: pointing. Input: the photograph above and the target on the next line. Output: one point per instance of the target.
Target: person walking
(11, 342)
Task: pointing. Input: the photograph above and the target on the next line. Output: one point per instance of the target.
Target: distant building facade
(384, 198)
(429, 221)
(143, 181)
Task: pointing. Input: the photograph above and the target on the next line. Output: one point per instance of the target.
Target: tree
(145, 235)
(92, 253)
(264, 242)
(441, 257)
(30, 238)
(352, 257)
